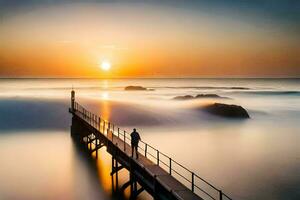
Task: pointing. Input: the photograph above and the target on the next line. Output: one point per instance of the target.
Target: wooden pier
(154, 172)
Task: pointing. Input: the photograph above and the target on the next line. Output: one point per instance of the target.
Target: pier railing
(197, 185)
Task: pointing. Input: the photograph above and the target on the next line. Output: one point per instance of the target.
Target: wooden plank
(186, 194)
(171, 183)
(155, 170)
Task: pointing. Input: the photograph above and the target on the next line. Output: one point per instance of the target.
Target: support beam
(92, 140)
(87, 143)
(97, 147)
(128, 183)
(116, 169)
(117, 177)
(137, 192)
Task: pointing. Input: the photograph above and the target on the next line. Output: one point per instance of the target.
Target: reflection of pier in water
(154, 172)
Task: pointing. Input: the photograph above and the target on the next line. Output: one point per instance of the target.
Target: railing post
(103, 127)
(112, 135)
(73, 100)
(157, 152)
(118, 132)
(124, 141)
(170, 166)
(146, 145)
(220, 195)
(99, 123)
(193, 181)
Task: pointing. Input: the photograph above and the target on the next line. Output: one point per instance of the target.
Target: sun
(105, 65)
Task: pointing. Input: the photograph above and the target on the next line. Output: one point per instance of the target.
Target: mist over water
(258, 158)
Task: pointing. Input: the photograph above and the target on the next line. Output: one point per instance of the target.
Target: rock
(208, 96)
(198, 96)
(226, 110)
(239, 88)
(186, 97)
(132, 88)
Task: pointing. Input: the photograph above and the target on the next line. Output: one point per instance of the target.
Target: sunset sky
(193, 38)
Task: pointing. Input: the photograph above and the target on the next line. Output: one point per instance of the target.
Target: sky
(188, 38)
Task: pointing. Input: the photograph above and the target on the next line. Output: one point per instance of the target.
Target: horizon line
(158, 77)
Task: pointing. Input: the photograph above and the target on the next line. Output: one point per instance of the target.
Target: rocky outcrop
(134, 88)
(186, 97)
(240, 88)
(226, 110)
(198, 96)
(208, 96)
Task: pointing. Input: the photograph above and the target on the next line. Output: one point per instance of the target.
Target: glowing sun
(105, 65)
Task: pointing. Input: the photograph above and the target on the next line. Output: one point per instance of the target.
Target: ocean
(252, 159)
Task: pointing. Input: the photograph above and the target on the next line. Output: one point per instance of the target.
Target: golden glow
(143, 45)
(105, 65)
(104, 96)
(105, 109)
(103, 169)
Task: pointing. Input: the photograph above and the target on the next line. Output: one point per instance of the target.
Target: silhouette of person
(135, 138)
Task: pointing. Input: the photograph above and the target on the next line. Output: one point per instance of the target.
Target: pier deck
(153, 171)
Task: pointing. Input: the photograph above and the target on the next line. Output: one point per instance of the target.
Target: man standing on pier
(135, 138)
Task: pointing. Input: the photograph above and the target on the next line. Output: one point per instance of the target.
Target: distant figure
(135, 138)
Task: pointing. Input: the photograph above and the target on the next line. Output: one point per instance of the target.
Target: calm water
(250, 159)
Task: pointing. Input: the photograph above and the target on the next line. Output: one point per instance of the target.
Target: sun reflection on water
(104, 96)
